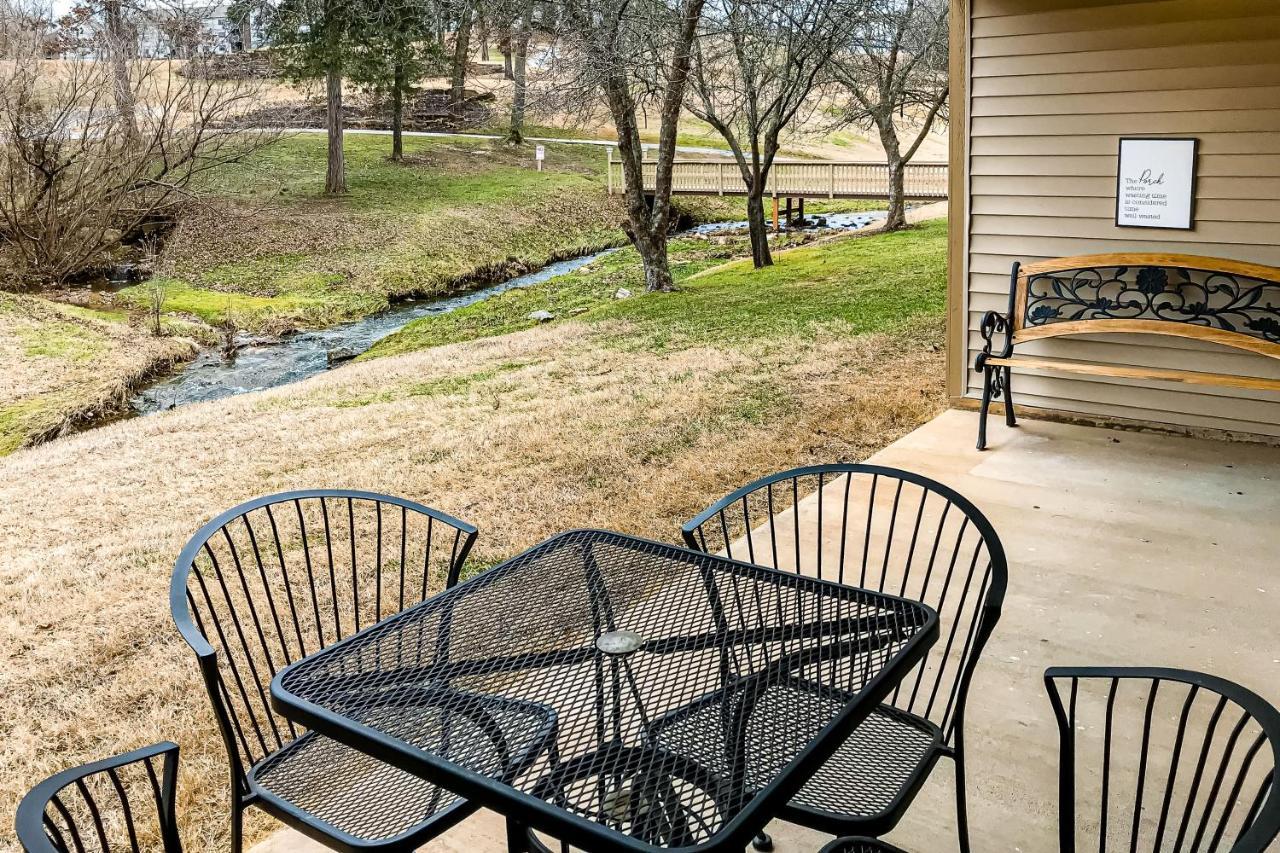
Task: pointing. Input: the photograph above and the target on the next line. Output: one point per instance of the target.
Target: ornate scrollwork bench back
(1227, 302)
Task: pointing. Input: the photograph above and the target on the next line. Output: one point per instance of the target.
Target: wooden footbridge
(795, 179)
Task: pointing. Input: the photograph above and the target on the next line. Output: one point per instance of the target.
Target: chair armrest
(993, 324)
(41, 829)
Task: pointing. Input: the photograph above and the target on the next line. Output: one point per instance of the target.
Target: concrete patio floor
(1124, 548)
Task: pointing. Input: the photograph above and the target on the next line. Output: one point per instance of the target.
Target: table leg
(517, 836)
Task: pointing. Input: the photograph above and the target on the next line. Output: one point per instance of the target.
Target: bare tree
(633, 55)
(757, 66)
(894, 71)
(27, 30)
(120, 46)
(504, 47)
(461, 57)
(482, 30)
(181, 28)
(521, 34)
(72, 188)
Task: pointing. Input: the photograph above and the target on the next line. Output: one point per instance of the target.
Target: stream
(260, 364)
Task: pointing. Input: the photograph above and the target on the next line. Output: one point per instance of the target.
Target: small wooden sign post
(540, 154)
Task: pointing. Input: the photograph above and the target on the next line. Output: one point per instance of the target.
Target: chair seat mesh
(860, 781)
(868, 772)
(319, 778)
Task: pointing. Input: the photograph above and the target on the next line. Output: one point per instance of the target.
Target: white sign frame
(1156, 183)
(540, 152)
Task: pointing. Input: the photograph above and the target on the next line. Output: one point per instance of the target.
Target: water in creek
(266, 364)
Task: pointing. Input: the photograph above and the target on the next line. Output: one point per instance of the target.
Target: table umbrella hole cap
(619, 642)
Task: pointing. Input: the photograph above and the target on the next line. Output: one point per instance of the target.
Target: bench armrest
(994, 324)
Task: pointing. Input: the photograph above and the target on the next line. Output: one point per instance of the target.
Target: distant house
(181, 28)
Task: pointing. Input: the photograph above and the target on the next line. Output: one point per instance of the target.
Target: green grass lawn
(855, 283)
(267, 250)
(862, 284)
(270, 250)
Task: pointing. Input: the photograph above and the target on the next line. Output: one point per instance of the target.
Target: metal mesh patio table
(600, 688)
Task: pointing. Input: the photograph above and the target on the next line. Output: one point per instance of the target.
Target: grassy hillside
(271, 250)
(854, 284)
(61, 366)
(267, 250)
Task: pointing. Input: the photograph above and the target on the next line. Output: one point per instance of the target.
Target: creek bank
(257, 364)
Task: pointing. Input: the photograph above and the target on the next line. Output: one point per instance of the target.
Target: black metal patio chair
(121, 803)
(892, 531)
(280, 577)
(1164, 759)
(850, 844)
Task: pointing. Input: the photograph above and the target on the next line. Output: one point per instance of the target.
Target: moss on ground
(56, 339)
(21, 419)
(299, 302)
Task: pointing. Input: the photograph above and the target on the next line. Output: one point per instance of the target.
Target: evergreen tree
(397, 48)
(319, 39)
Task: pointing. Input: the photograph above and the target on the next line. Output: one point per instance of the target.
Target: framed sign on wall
(1156, 183)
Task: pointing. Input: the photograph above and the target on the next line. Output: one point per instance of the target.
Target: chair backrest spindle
(1161, 759)
(120, 804)
(882, 529)
(280, 577)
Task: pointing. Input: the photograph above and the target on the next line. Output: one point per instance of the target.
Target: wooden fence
(794, 179)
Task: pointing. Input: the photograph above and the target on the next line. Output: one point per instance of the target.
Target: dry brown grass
(60, 366)
(524, 435)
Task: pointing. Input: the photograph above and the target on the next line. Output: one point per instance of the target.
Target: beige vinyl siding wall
(1052, 86)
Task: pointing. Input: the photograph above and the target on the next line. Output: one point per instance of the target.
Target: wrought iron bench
(1226, 302)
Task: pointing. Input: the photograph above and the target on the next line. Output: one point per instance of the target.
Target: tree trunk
(648, 222)
(246, 31)
(759, 226)
(657, 268)
(897, 218)
(504, 47)
(483, 25)
(461, 53)
(397, 112)
(335, 179)
(117, 48)
(515, 136)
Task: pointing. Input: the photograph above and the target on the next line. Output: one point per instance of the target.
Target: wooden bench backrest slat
(1240, 308)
